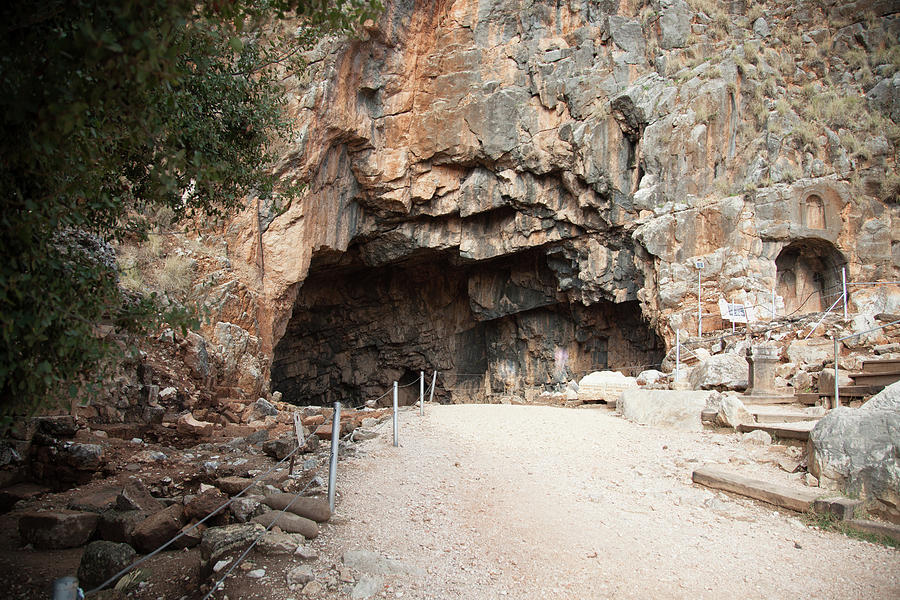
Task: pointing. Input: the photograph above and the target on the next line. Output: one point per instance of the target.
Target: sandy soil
(537, 502)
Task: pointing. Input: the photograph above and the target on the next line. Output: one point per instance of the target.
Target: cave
(491, 327)
(809, 275)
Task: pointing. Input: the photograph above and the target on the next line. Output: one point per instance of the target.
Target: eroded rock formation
(497, 187)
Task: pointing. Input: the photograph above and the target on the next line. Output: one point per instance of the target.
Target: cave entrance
(809, 275)
(487, 327)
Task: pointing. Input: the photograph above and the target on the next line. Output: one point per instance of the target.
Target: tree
(110, 108)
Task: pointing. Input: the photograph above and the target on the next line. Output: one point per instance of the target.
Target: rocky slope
(524, 188)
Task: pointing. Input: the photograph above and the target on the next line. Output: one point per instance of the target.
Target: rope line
(198, 523)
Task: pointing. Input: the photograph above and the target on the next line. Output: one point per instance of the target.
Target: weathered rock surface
(101, 560)
(664, 408)
(606, 386)
(858, 450)
(311, 508)
(54, 530)
(218, 541)
(158, 528)
(726, 371)
(732, 413)
(289, 522)
(373, 563)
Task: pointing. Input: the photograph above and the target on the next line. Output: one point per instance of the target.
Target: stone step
(791, 431)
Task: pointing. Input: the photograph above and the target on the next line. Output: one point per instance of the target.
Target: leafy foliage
(111, 109)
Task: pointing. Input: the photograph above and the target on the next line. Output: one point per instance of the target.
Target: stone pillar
(761, 380)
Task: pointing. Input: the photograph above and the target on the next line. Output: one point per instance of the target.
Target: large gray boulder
(664, 408)
(728, 371)
(858, 450)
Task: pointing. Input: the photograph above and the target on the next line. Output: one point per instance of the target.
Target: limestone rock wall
(614, 143)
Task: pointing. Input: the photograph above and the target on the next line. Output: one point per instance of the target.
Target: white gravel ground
(495, 501)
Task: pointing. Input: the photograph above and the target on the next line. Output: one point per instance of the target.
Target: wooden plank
(810, 398)
(884, 365)
(875, 527)
(782, 496)
(854, 391)
(883, 379)
(788, 431)
(767, 414)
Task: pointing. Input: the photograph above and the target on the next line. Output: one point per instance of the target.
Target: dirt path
(498, 501)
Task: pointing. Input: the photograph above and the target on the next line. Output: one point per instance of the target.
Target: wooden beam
(782, 496)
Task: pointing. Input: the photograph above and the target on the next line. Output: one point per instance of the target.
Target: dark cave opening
(497, 326)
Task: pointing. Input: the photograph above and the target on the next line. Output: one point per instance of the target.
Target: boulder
(52, 530)
(118, 525)
(135, 496)
(188, 425)
(726, 371)
(289, 522)
(280, 447)
(233, 485)
(218, 541)
(605, 386)
(158, 528)
(265, 408)
(826, 380)
(101, 560)
(275, 543)
(810, 353)
(858, 450)
(732, 413)
(664, 408)
(650, 377)
(204, 504)
(82, 457)
(311, 508)
(367, 587)
(97, 500)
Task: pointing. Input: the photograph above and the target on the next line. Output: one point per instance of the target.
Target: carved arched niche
(812, 212)
(809, 275)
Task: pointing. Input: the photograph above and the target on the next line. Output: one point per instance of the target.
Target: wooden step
(882, 379)
(885, 365)
(789, 431)
(808, 398)
(780, 495)
(855, 391)
(772, 414)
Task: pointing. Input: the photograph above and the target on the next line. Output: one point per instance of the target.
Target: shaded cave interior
(494, 326)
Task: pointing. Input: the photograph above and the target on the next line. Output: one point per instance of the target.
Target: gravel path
(492, 501)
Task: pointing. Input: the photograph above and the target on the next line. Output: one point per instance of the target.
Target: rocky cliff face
(519, 191)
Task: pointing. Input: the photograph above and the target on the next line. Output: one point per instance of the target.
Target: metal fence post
(677, 353)
(421, 393)
(844, 283)
(396, 433)
(66, 588)
(699, 301)
(332, 463)
(433, 381)
(837, 396)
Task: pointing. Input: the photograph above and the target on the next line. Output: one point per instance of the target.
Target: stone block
(53, 530)
(663, 408)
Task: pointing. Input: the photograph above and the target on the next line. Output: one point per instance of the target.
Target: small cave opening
(489, 327)
(809, 275)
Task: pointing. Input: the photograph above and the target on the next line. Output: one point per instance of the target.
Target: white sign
(736, 313)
